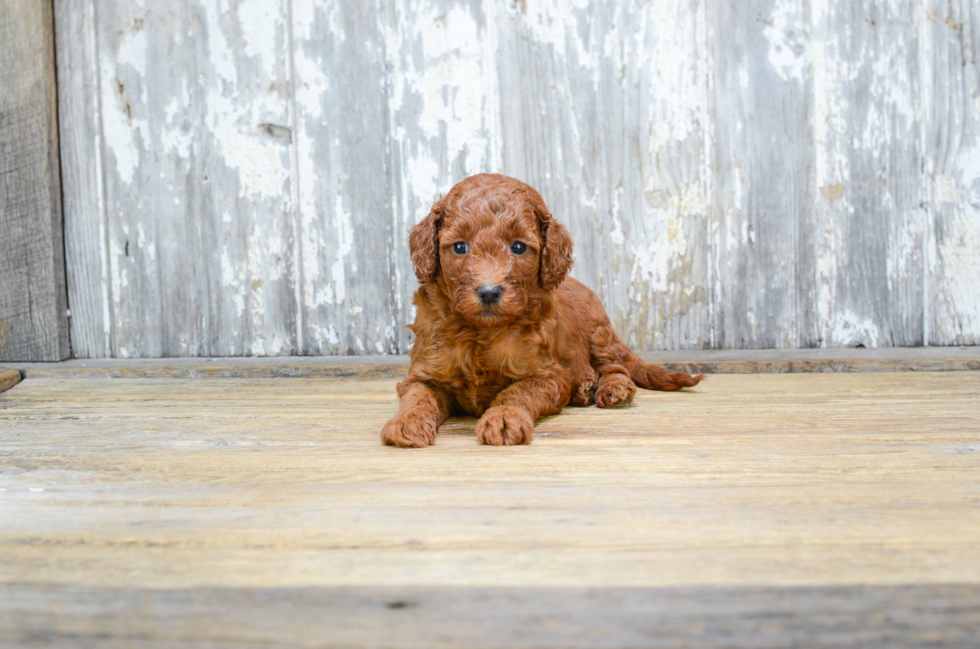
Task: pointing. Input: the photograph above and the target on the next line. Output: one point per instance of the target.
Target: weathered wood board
(762, 152)
(951, 114)
(603, 108)
(831, 511)
(33, 298)
(943, 616)
(8, 378)
(702, 361)
(186, 248)
(868, 231)
(241, 175)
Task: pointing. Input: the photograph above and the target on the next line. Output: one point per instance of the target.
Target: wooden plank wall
(33, 300)
(240, 174)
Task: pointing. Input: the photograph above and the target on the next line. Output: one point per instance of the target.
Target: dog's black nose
(490, 294)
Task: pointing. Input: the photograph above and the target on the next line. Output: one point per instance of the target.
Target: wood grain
(867, 232)
(195, 249)
(922, 359)
(33, 299)
(609, 123)
(8, 378)
(82, 160)
(441, 106)
(838, 617)
(951, 96)
(831, 504)
(343, 196)
(762, 193)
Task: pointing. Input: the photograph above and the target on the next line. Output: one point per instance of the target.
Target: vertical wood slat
(79, 113)
(196, 246)
(441, 99)
(951, 91)
(341, 113)
(33, 306)
(603, 109)
(736, 175)
(762, 191)
(868, 230)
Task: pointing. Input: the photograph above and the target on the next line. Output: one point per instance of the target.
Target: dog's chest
(484, 374)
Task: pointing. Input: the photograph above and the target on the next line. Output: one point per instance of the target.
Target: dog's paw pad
(504, 427)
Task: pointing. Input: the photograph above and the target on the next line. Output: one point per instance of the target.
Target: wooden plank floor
(832, 510)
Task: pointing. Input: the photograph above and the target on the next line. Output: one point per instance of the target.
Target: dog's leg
(609, 354)
(616, 390)
(421, 410)
(510, 418)
(584, 383)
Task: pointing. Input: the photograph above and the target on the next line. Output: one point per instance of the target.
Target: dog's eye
(518, 248)
(460, 248)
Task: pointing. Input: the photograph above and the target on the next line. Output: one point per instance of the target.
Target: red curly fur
(545, 344)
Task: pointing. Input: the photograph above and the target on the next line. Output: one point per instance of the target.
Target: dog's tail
(609, 353)
(653, 377)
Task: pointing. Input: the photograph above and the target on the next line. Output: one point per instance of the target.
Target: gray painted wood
(86, 242)
(343, 195)
(773, 173)
(604, 109)
(194, 136)
(443, 124)
(867, 232)
(951, 97)
(697, 361)
(762, 194)
(33, 300)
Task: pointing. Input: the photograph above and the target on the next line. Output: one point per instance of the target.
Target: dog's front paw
(409, 431)
(615, 391)
(503, 426)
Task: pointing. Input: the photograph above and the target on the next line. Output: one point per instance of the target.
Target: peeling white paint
(261, 22)
(345, 243)
(553, 23)
(654, 260)
(304, 14)
(452, 88)
(231, 279)
(220, 54)
(955, 260)
(132, 52)
(676, 115)
(616, 235)
(946, 190)
(262, 171)
(175, 136)
(262, 163)
(423, 173)
(789, 44)
(119, 128)
(851, 330)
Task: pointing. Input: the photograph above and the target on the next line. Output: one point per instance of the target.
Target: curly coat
(500, 331)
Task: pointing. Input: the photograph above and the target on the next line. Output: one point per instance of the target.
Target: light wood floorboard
(148, 512)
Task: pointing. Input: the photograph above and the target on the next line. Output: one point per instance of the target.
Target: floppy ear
(423, 244)
(556, 248)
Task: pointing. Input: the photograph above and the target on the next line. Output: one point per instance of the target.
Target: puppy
(501, 332)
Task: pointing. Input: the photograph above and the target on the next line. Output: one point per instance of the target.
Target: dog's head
(492, 247)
